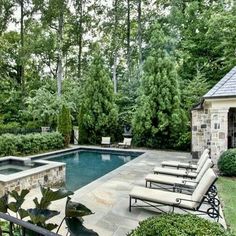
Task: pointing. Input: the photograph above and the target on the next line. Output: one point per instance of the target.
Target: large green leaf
(20, 198)
(17, 196)
(49, 195)
(75, 209)
(40, 216)
(23, 213)
(51, 226)
(3, 203)
(75, 227)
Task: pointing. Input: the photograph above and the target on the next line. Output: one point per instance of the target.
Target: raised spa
(11, 166)
(17, 173)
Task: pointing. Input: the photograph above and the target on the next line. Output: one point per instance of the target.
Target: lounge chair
(156, 198)
(173, 183)
(181, 172)
(186, 165)
(106, 141)
(126, 143)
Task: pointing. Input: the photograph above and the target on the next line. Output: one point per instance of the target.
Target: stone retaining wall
(50, 178)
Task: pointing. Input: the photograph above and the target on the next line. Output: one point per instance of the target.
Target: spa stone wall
(50, 178)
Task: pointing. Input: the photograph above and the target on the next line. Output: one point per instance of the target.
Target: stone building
(214, 119)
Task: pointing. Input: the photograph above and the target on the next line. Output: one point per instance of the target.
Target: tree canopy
(153, 61)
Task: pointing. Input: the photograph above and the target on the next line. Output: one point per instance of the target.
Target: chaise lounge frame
(209, 197)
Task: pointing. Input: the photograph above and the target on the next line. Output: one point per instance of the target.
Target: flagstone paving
(108, 196)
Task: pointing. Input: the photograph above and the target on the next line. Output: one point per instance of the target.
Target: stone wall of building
(219, 132)
(50, 178)
(209, 130)
(201, 125)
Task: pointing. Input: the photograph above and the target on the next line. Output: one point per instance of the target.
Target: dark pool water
(83, 167)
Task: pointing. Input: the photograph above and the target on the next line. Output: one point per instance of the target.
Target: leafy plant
(11, 144)
(19, 200)
(64, 124)
(39, 215)
(158, 120)
(74, 218)
(98, 112)
(178, 224)
(227, 163)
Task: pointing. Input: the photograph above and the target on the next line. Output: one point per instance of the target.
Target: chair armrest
(189, 181)
(179, 200)
(190, 167)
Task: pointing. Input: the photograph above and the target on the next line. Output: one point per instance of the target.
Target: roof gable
(226, 87)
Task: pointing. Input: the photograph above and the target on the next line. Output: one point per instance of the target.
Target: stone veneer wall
(209, 130)
(50, 178)
(219, 132)
(201, 125)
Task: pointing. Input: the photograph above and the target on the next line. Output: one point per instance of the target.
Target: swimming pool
(85, 166)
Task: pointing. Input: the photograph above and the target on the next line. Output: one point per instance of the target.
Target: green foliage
(19, 200)
(65, 125)
(39, 215)
(192, 91)
(98, 113)
(158, 118)
(227, 163)
(42, 107)
(75, 227)
(30, 143)
(178, 224)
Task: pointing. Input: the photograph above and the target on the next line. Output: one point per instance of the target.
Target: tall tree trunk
(80, 33)
(115, 54)
(21, 65)
(140, 39)
(114, 71)
(60, 56)
(128, 40)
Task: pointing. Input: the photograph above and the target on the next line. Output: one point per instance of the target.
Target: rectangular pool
(85, 166)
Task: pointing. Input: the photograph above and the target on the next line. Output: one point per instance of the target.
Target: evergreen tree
(157, 120)
(64, 124)
(98, 113)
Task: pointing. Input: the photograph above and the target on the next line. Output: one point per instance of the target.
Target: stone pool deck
(108, 196)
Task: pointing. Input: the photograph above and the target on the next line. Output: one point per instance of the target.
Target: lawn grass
(227, 192)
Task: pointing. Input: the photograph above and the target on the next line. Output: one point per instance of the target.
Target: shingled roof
(226, 87)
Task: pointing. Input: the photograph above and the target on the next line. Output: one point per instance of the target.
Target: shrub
(178, 224)
(16, 128)
(227, 163)
(64, 124)
(11, 144)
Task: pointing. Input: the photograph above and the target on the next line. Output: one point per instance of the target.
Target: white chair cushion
(169, 180)
(169, 171)
(207, 180)
(162, 197)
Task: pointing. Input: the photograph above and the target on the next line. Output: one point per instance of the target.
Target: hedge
(16, 128)
(11, 144)
(227, 163)
(178, 224)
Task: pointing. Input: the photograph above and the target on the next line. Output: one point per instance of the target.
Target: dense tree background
(153, 60)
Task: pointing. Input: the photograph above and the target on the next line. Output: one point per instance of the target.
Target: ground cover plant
(227, 193)
(11, 144)
(178, 224)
